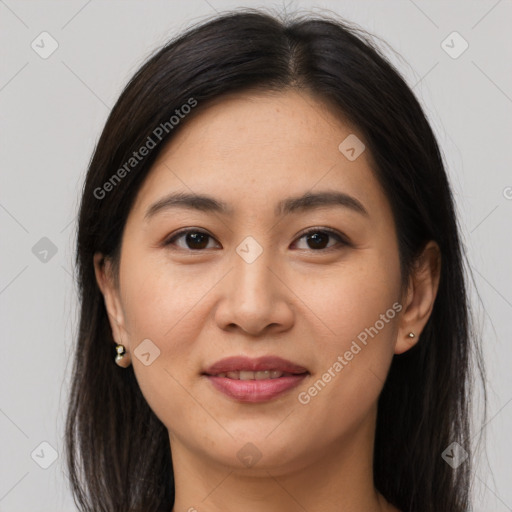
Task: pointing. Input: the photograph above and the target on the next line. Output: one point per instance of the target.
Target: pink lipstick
(255, 380)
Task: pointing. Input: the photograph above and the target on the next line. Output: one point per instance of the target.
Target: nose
(255, 296)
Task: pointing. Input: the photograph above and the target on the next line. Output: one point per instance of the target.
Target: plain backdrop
(52, 111)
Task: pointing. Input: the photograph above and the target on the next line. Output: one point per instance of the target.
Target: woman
(268, 250)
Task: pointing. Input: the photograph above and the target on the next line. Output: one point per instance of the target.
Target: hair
(117, 450)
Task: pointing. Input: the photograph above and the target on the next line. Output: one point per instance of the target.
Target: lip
(254, 391)
(241, 363)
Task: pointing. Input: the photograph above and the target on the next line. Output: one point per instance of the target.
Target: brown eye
(318, 239)
(194, 240)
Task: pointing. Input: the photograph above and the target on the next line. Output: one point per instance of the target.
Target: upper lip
(241, 363)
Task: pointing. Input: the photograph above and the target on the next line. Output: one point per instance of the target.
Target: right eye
(195, 240)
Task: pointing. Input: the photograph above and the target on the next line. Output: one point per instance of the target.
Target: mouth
(255, 380)
(259, 375)
(246, 368)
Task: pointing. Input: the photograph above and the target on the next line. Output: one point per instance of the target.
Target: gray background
(53, 110)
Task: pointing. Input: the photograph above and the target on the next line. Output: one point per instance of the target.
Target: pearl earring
(120, 352)
(120, 356)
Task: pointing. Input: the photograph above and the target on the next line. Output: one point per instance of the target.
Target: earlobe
(420, 297)
(405, 342)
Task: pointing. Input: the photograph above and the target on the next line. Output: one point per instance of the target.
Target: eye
(316, 238)
(194, 239)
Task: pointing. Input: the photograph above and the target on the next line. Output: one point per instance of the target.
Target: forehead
(255, 148)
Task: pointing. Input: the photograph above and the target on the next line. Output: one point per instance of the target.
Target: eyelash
(340, 238)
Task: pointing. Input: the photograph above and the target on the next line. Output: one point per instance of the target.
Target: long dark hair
(118, 451)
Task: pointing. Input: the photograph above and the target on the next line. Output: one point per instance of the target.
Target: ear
(106, 282)
(420, 296)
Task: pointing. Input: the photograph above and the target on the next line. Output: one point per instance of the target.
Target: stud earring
(411, 335)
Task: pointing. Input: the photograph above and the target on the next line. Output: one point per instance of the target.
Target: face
(315, 283)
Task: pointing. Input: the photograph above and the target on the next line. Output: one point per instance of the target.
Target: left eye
(317, 239)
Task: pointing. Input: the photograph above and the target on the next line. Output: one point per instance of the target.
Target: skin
(301, 303)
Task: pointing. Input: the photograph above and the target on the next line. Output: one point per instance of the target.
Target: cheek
(359, 309)
(159, 296)
(163, 304)
(352, 297)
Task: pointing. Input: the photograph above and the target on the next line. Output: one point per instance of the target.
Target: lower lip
(256, 390)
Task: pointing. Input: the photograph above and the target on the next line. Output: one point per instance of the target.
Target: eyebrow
(305, 202)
